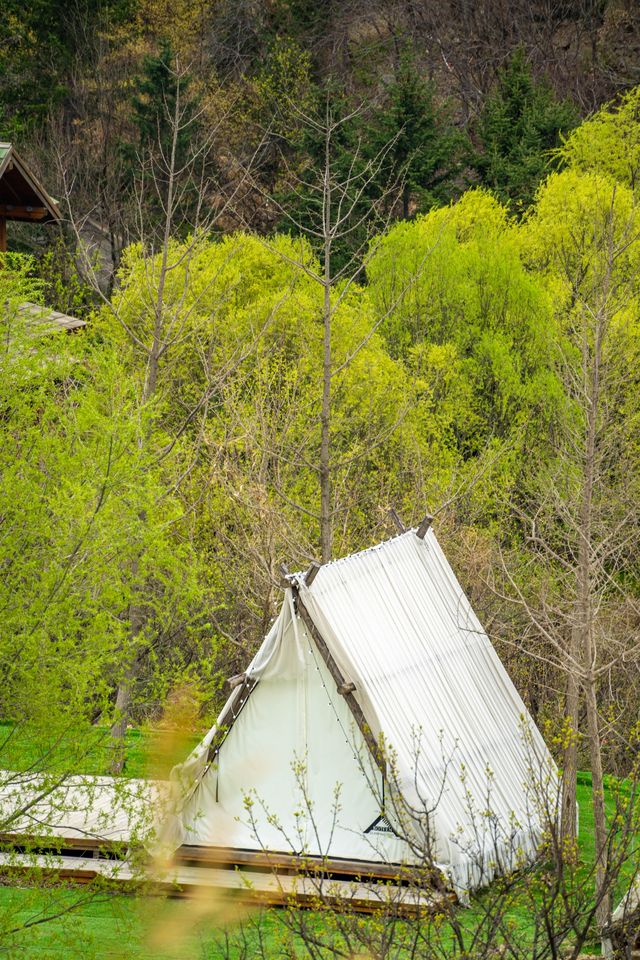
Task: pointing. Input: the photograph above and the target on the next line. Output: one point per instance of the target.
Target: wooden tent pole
(345, 689)
(244, 685)
(3, 234)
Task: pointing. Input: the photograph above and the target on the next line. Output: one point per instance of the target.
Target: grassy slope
(130, 928)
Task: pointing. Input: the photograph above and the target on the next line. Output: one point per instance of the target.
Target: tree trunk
(118, 730)
(136, 613)
(569, 817)
(586, 617)
(124, 695)
(325, 412)
(406, 199)
(603, 893)
(325, 449)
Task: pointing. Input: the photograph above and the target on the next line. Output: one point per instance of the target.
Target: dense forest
(336, 260)
(443, 96)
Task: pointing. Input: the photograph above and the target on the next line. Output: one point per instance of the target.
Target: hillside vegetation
(334, 259)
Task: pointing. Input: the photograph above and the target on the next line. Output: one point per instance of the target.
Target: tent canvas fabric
(447, 766)
(629, 906)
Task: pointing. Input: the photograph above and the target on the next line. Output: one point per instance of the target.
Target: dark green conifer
(520, 126)
(165, 118)
(426, 152)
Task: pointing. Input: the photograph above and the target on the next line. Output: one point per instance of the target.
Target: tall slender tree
(583, 517)
(337, 197)
(428, 153)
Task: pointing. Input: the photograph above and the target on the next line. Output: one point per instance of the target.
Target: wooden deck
(249, 876)
(80, 841)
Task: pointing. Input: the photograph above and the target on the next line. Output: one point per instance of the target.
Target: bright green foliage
(81, 512)
(258, 318)
(582, 240)
(464, 313)
(608, 142)
(564, 235)
(423, 153)
(520, 125)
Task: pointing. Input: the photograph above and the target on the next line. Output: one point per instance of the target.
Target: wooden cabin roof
(22, 196)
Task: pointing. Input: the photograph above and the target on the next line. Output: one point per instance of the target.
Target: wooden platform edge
(275, 861)
(230, 871)
(278, 861)
(298, 891)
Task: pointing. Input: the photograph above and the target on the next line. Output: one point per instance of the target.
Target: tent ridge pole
(345, 688)
(423, 529)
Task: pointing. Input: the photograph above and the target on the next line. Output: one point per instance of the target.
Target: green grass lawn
(155, 928)
(132, 928)
(89, 750)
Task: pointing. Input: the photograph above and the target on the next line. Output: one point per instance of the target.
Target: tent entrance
(293, 770)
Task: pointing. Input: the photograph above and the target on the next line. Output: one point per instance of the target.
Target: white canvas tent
(625, 920)
(376, 722)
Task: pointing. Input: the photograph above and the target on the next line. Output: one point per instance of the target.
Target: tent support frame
(245, 684)
(226, 721)
(345, 688)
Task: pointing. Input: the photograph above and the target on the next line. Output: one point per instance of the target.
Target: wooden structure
(43, 320)
(22, 196)
(259, 878)
(92, 828)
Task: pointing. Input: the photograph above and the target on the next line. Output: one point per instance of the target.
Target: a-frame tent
(375, 723)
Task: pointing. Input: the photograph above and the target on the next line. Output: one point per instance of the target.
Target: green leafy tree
(82, 510)
(608, 142)
(455, 292)
(75, 485)
(426, 152)
(255, 311)
(520, 127)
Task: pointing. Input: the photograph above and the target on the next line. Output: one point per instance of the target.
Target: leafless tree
(342, 210)
(175, 195)
(581, 517)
